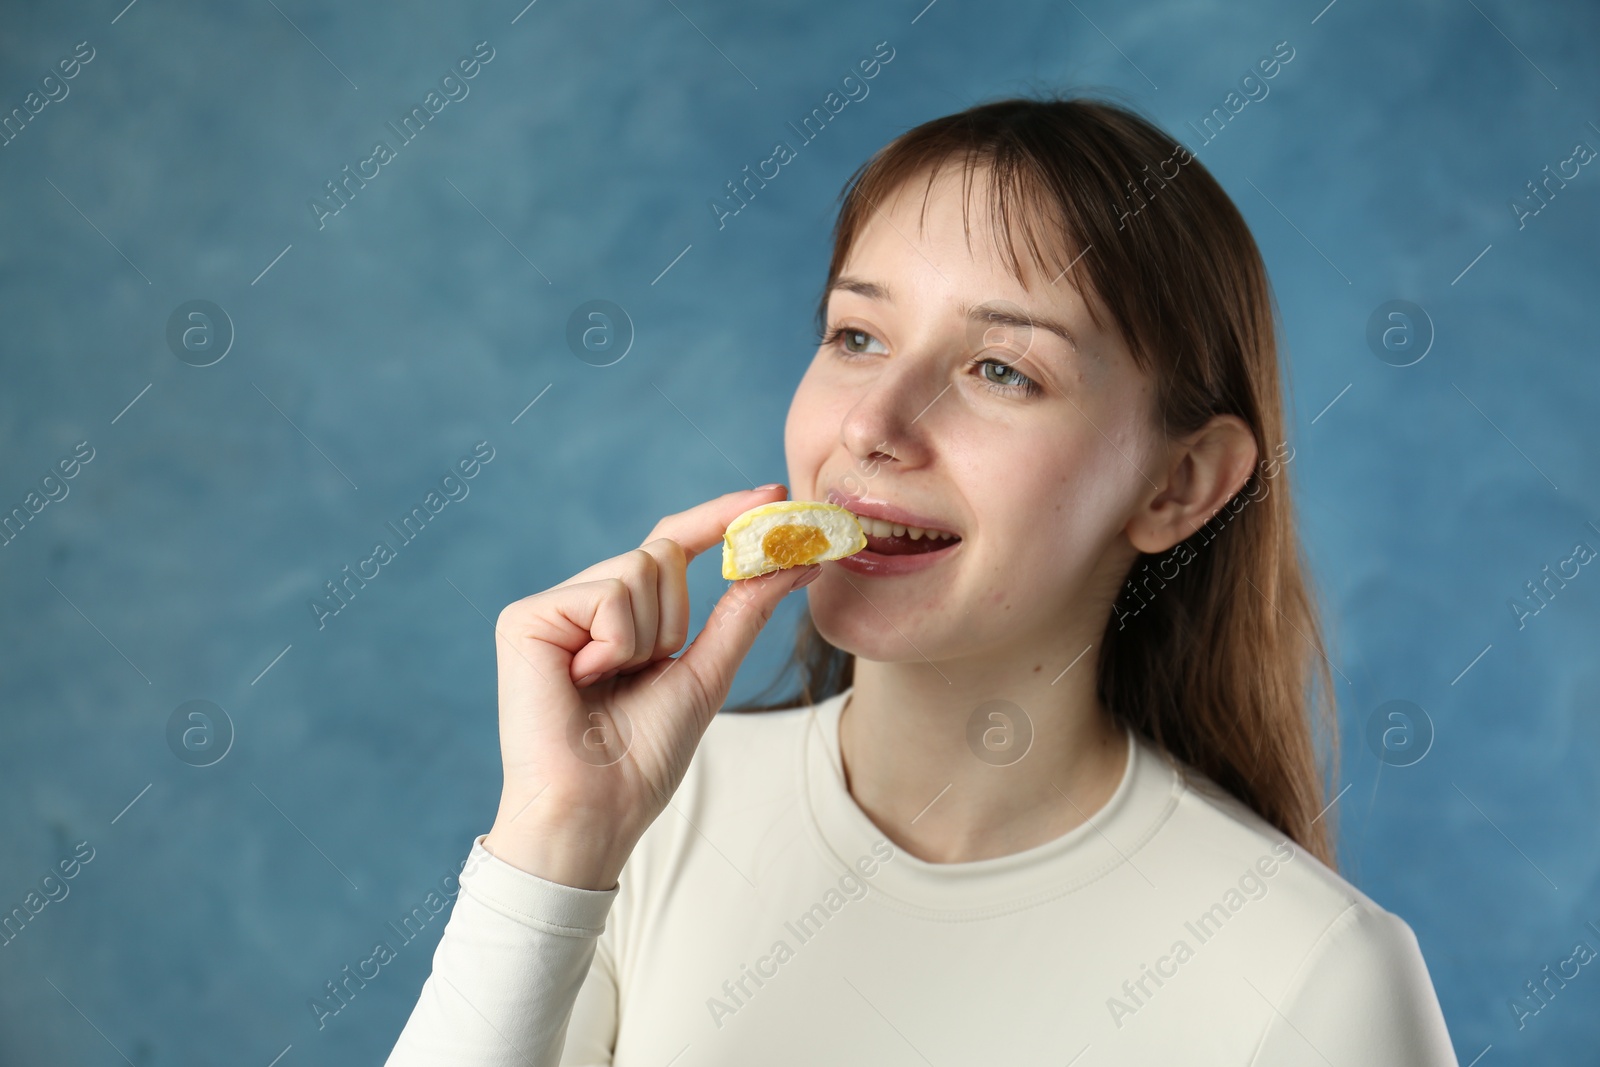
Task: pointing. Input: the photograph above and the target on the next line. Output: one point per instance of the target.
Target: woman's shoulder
(1227, 827)
(1338, 928)
(1318, 947)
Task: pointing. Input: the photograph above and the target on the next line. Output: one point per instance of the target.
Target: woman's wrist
(566, 853)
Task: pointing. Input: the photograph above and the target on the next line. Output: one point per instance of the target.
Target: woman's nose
(889, 421)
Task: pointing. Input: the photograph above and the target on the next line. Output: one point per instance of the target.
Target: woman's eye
(854, 338)
(1005, 378)
(1008, 375)
(849, 338)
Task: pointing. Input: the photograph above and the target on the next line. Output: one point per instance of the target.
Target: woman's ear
(1204, 471)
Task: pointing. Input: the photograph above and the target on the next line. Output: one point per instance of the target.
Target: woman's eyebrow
(870, 290)
(988, 313)
(999, 315)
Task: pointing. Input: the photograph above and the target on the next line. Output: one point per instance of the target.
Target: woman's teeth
(879, 528)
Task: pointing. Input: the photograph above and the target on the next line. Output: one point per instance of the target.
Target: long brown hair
(1216, 663)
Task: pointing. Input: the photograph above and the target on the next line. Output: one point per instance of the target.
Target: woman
(1048, 792)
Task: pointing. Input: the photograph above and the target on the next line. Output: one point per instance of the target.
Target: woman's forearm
(505, 975)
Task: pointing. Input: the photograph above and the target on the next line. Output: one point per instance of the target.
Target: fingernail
(765, 488)
(586, 679)
(816, 570)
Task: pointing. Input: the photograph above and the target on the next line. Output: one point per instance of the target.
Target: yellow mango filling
(794, 544)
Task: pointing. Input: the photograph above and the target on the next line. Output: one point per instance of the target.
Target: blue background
(430, 311)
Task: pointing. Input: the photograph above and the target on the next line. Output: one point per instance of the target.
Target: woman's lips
(895, 554)
(883, 511)
(874, 564)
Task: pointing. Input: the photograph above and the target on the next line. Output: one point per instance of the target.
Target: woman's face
(924, 404)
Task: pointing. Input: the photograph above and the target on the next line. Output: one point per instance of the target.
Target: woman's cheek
(800, 430)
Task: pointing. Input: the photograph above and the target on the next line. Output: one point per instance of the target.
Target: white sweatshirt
(764, 919)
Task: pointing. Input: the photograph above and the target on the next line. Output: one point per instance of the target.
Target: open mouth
(891, 539)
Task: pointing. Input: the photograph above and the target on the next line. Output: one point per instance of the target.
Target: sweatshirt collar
(1106, 846)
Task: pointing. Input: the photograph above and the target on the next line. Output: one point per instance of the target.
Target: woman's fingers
(675, 542)
(708, 665)
(641, 576)
(702, 526)
(695, 530)
(607, 608)
(672, 596)
(581, 629)
(645, 591)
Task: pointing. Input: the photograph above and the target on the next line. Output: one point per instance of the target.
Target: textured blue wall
(373, 350)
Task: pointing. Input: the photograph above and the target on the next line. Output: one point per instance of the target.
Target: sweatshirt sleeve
(1363, 998)
(507, 971)
(592, 1032)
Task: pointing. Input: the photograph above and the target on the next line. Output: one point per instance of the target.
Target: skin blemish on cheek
(1092, 370)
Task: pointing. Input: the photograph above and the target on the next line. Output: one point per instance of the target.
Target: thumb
(713, 658)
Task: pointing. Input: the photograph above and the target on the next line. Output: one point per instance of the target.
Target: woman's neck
(960, 764)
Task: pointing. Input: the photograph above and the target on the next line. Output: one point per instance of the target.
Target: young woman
(1049, 790)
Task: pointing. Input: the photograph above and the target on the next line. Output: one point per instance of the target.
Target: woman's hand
(597, 722)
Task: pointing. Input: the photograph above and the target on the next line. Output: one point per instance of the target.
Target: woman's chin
(860, 630)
